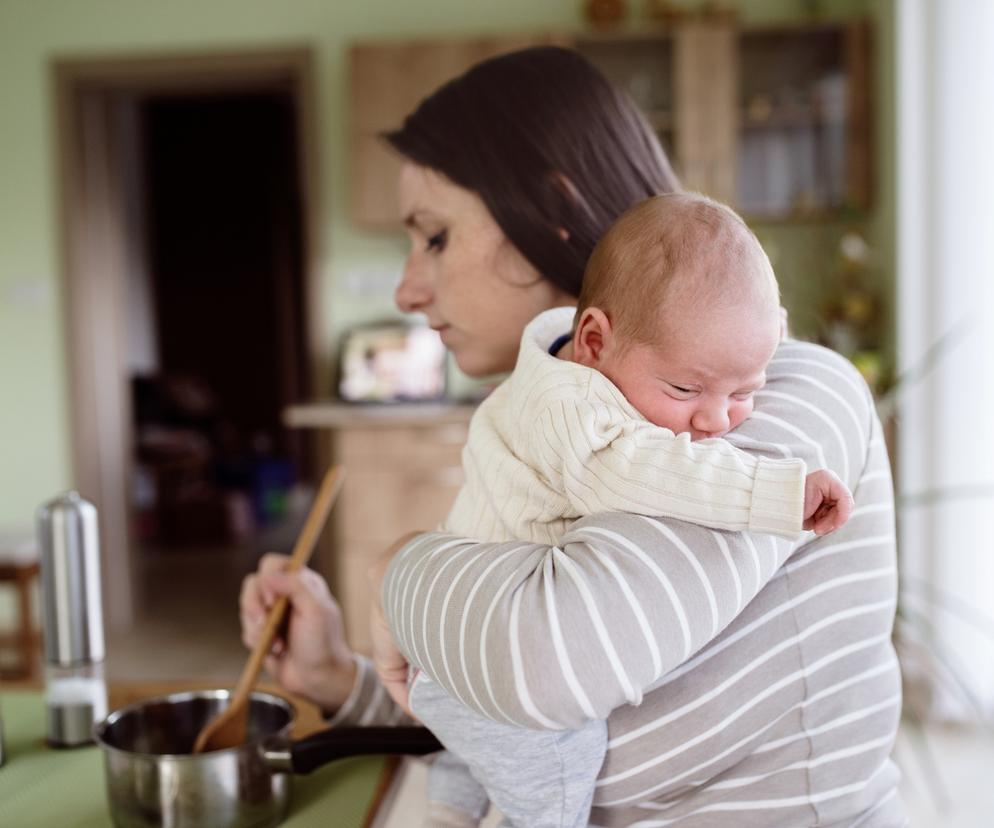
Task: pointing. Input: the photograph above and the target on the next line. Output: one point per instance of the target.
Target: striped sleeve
(369, 704)
(604, 461)
(548, 637)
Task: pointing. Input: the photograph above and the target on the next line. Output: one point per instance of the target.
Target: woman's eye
(437, 242)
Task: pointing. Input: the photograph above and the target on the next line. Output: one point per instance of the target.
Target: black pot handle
(341, 742)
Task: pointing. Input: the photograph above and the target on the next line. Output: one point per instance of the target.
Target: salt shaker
(72, 616)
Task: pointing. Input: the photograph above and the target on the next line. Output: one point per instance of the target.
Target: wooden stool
(22, 574)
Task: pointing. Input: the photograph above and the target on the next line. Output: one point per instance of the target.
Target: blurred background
(197, 222)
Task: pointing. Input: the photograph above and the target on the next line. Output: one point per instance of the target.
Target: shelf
(791, 121)
(712, 91)
(815, 215)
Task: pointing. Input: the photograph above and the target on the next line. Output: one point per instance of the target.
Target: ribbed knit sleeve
(603, 461)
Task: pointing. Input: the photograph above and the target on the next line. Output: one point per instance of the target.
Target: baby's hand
(828, 502)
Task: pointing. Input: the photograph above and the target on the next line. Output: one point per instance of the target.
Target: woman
(745, 681)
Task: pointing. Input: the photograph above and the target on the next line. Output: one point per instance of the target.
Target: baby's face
(703, 379)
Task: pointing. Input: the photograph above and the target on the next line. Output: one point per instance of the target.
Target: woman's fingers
(251, 609)
(261, 589)
(272, 563)
(249, 602)
(300, 589)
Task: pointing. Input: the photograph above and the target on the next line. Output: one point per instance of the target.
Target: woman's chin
(470, 365)
(478, 365)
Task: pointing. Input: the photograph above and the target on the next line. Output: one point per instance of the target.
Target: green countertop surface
(43, 787)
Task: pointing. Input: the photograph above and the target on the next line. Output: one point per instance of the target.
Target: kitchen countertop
(43, 786)
(335, 414)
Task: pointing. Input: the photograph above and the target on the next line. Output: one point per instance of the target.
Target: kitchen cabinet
(387, 80)
(404, 468)
(705, 75)
(684, 80)
(804, 113)
(774, 121)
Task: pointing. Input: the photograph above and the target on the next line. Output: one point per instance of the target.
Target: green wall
(34, 447)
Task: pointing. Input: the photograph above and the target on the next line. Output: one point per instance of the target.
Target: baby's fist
(828, 502)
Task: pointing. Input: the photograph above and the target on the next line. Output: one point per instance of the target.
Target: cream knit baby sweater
(557, 441)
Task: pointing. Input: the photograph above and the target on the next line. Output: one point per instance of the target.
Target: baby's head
(680, 309)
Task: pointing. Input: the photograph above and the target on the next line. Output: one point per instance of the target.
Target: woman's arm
(548, 637)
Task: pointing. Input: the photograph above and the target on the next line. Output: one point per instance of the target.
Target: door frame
(89, 93)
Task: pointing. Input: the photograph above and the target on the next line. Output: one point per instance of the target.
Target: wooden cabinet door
(705, 107)
(387, 80)
(401, 478)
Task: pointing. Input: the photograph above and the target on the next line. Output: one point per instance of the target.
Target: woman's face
(464, 275)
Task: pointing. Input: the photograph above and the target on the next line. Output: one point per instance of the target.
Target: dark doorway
(225, 339)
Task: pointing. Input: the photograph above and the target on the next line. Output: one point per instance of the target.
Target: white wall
(945, 250)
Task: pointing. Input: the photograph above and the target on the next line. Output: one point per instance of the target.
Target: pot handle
(325, 746)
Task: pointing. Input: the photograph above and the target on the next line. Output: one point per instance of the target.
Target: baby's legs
(455, 798)
(536, 778)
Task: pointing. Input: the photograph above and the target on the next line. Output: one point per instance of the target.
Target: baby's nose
(711, 419)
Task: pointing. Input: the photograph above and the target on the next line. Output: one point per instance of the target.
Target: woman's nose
(414, 292)
(711, 419)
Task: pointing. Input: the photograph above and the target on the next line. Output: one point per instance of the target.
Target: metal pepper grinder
(72, 619)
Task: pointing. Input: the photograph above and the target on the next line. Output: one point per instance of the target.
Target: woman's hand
(391, 664)
(313, 659)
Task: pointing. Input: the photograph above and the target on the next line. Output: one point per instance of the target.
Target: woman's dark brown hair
(548, 144)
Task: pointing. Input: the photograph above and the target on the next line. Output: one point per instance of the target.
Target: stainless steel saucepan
(154, 780)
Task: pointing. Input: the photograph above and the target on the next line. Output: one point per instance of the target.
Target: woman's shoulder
(798, 349)
(816, 401)
(812, 364)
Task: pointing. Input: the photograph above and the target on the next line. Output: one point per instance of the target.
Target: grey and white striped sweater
(746, 680)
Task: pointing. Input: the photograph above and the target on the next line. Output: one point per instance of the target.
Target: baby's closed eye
(681, 392)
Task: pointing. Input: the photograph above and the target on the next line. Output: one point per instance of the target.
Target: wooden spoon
(229, 727)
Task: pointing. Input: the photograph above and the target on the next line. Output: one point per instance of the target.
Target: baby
(678, 318)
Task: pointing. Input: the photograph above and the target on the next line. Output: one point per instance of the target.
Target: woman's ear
(593, 338)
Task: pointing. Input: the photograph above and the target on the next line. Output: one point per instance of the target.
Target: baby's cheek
(739, 412)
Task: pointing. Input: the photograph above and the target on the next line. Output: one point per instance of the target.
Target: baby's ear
(592, 337)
